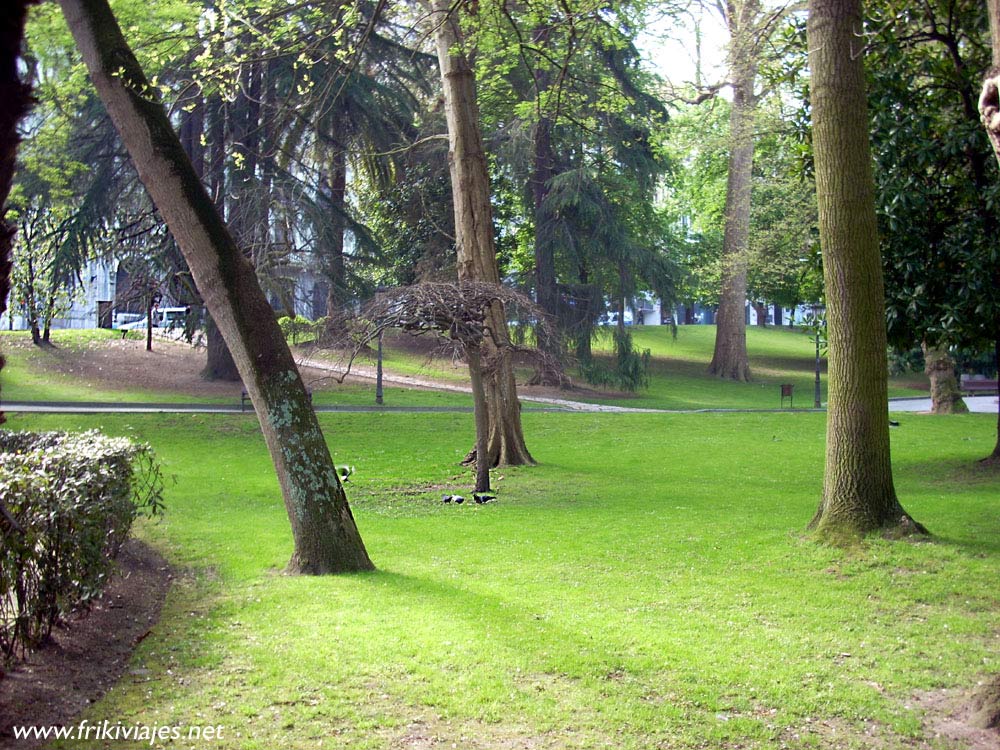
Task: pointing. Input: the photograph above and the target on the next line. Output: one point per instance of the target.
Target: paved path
(977, 404)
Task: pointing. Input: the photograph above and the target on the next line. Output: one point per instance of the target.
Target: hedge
(67, 503)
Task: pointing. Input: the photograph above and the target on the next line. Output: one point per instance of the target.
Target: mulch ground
(88, 654)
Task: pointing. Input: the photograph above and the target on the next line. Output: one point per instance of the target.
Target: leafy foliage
(631, 366)
(935, 175)
(68, 502)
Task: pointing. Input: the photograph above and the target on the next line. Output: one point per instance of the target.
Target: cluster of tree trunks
(325, 535)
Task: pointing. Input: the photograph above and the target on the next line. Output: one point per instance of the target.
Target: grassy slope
(647, 585)
(28, 376)
(678, 370)
(678, 374)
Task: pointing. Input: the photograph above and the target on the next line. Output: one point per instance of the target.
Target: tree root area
(87, 655)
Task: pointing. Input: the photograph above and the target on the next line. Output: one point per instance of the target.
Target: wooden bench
(978, 385)
(245, 398)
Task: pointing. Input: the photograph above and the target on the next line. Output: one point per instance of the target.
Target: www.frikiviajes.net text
(116, 731)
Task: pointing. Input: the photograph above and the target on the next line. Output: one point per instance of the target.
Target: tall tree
(858, 491)
(729, 359)
(474, 232)
(16, 95)
(326, 537)
(989, 109)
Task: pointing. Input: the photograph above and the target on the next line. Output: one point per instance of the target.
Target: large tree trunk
(546, 291)
(474, 238)
(946, 397)
(761, 311)
(333, 266)
(730, 360)
(219, 363)
(326, 538)
(16, 97)
(994, 457)
(858, 492)
(989, 112)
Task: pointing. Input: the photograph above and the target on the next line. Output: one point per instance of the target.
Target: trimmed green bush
(67, 503)
(300, 329)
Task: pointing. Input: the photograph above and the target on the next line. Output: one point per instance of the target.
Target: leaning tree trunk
(326, 538)
(946, 397)
(477, 260)
(730, 360)
(858, 491)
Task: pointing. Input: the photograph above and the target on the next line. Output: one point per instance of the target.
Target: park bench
(973, 385)
(245, 398)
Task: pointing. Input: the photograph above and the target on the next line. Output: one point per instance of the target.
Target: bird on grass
(483, 497)
(343, 472)
(457, 499)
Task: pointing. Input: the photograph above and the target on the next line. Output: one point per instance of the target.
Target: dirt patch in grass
(949, 716)
(172, 367)
(87, 655)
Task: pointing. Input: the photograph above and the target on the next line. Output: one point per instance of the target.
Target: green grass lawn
(648, 585)
(678, 377)
(30, 375)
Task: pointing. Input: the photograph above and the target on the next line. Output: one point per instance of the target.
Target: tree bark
(543, 169)
(325, 535)
(989, 112)
(219, 364)
(333, 265)
(761, 311)
(474, 355)
(730, 360)
(858, 491)
(16, 97)
(946, 397)
(474, 238)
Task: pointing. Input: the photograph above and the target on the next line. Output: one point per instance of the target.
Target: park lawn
(29, 375)
(648, 585)
(679, 379)
(678, 376)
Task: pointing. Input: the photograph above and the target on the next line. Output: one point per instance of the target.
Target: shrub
(630, 370)
(300, 329)
(68, 503)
